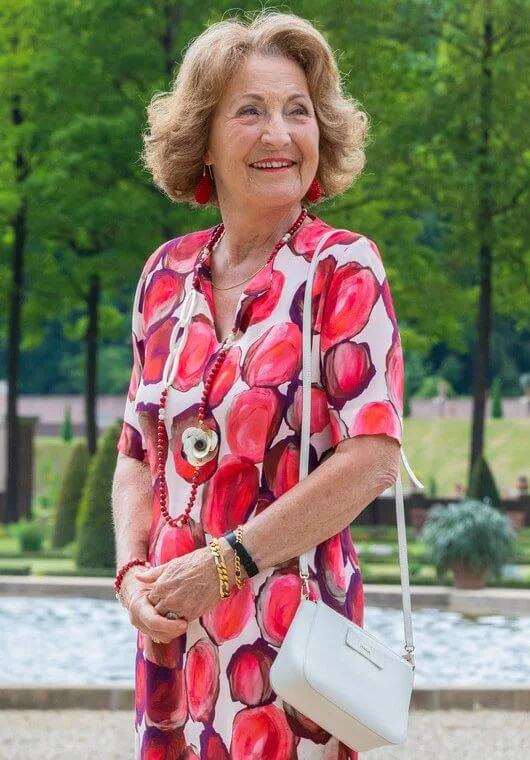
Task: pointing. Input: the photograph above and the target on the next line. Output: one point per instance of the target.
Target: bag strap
(304, 452)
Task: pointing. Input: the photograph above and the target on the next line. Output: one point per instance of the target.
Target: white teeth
(272, 164)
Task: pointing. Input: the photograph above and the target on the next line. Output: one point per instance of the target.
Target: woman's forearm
(132, 504)
(319, 506)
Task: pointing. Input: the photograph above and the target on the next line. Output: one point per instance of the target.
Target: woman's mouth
(272, 167)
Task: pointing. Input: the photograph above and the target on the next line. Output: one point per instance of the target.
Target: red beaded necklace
(200, 443)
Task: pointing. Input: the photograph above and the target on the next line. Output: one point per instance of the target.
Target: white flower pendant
(200, 445)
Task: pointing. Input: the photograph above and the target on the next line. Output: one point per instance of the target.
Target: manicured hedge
(95, 532)
(70, 495)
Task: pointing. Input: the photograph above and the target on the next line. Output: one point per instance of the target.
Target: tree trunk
(14, 329)
(485, 233)
(13, 360)
(91, 338)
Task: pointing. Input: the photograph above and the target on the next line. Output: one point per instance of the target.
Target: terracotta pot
(517, 516)
(465, 578)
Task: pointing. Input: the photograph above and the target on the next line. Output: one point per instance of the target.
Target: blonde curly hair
(179, 120)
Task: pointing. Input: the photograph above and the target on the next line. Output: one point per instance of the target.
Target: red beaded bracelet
(121, 573)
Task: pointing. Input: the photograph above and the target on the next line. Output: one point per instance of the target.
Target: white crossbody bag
(328, 668)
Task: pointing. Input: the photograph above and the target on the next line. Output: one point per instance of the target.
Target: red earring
(203, 190)
(314, 191)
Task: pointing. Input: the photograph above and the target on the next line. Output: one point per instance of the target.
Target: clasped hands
(188, 586)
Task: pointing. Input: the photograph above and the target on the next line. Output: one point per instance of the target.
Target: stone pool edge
(487, 601)
(425, 697)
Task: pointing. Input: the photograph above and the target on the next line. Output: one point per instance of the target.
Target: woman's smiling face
(265, 113)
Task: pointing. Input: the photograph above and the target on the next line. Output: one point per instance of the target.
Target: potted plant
(471, 538)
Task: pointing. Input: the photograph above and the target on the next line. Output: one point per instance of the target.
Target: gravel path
(108, 735)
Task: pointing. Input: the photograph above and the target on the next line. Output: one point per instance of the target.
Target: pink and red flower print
(229, 495)
(212, 745)
(319, 410)
(248, 673)
(196, 352)
(226, 377)
(376, 418)
(253, 421)
(182, 253)
(262, 733)
(351, 296)
(166, 705)
(158, 744)
(395, 373)
(229, 617)
(256, 308)
(330, 564)
(348, 370)
(202, 680)
(163, 293)
(278, 601)
(156, 351)
(176, 542)
(275, 357)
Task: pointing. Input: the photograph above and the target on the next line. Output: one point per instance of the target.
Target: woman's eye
(251, 109)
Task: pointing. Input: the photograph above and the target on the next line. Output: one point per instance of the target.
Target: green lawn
(440, 447)
(39, 566)
(51, 457)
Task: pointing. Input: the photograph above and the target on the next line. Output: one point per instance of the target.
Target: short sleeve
(131, 439)
(361, 358)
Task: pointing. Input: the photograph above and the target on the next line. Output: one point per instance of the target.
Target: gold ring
(157, 641)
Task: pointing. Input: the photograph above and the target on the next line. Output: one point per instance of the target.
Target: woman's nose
(276, 132)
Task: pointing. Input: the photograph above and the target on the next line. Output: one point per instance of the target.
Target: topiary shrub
(29, 535)
(482, 483)
(496, 393)
(70, 495)
(94, 526)
(67, 431)
(433, 487)
(470, 533)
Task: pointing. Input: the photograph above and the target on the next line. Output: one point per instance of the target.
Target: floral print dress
(207, 693)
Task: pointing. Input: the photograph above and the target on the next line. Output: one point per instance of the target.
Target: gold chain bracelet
(237, 561)
(224, 584)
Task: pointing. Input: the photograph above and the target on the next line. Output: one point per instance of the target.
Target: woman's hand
(144, 617)
(186, 586)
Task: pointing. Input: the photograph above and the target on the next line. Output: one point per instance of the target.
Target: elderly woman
(205, 488)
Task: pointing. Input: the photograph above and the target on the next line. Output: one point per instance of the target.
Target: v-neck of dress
(257, 286)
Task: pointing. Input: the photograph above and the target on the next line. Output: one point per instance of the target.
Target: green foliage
(95, 532)
(29, 534)
(433, 487)
(66, 429)
(26, 570)
(452, 369)
(415, 371)
(429, 387)
(70, 495)
(496, 408)
(482, 483)
(471, 533)
(406, 403)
